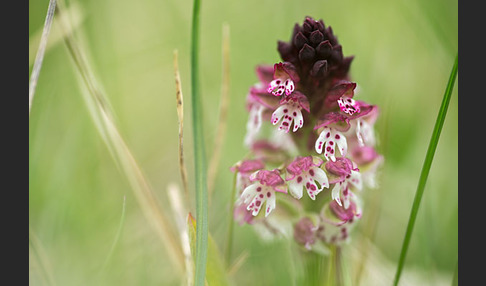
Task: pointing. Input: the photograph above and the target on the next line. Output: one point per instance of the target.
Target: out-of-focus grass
(403, 51)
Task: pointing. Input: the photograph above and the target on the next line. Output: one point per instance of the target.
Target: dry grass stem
(34, 76)
(180, 116)
(223, 113)
(180, 211)
(100, 111)
(40, 259)
(76, 17)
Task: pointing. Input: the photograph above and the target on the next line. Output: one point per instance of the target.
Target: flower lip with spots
(264, 186)
(328, 139)
(304, 172)
(347, 174)
(285, 79)
(244, 169)
(290, 111)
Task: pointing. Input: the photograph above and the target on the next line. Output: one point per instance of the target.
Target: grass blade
(229, 238)
(426, 168)
(199, 155)
(34, 76)
(216, 274)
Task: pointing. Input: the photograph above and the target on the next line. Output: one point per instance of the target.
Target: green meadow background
(404, 51)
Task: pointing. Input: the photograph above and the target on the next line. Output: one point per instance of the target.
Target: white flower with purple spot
(304, 172)
(279, 86)
(290, 111)
(348, 105)
(265, 184)
(244, 169)
(348, 175)
(284, 79)
(328, 140)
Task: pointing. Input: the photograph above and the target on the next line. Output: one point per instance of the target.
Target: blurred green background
(404, 51)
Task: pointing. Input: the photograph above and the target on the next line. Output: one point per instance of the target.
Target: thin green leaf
(216, 271)
(229, 238)
(199, 155)
(426, 168)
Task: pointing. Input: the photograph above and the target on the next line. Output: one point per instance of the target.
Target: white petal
(298, 120)
(329, 150)
(356, 180)
(312, 193)
(277, 114)
(296, 189)
(336, 192)
(321, 140)
(249, 193)
(341, 142)
(346, 200)
(289, 86)
(321, 177)
(256, 206)
(285, 127)
(274, 84)
(270, 204)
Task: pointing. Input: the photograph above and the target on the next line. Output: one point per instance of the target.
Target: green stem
(331, 277)
(199, 156)
(229, 239)
(426, 168)
(338, 263)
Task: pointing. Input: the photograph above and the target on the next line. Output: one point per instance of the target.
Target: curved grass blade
(426, 168)
(199, 155)
(100, 111)
(34, 76)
